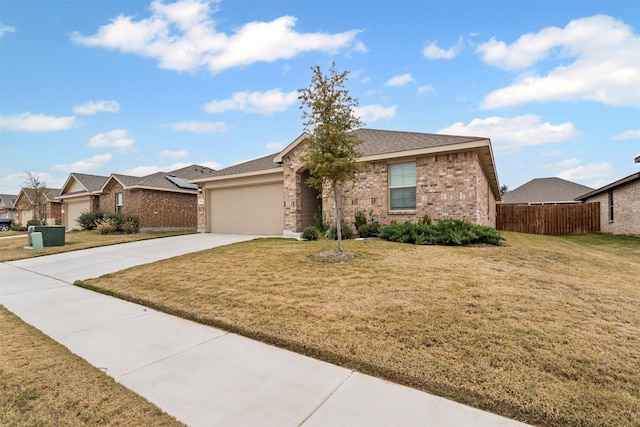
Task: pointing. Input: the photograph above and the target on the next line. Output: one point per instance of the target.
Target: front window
(119, 202)
(611, 206)
(402, 186)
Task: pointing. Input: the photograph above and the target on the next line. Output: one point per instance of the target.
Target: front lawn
(545, 329)
(44, 384)
(13, 248)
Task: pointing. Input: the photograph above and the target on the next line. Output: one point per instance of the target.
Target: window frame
(610, 205)
(119, 198)
(403, 186)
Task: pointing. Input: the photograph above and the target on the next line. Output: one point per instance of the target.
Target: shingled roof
(161, 180)
(8, 201)
(545, 191)
(374, 143)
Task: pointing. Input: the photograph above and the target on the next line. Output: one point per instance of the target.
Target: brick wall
(54, 213)
(447, 186)
(626, 209)
(156, 210)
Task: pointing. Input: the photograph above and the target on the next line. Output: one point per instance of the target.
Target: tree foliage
(35, 189)
(332, 150)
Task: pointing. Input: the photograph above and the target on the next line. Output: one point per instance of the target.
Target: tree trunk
(334, 186)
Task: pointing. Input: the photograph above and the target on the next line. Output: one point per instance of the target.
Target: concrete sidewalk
(201, 375)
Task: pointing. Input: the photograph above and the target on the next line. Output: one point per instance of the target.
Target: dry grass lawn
(44, 384)
(545, 329)
(12, 248)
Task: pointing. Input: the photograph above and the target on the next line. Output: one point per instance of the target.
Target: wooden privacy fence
(552, 220)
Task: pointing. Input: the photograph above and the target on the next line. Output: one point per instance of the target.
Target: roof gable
(78, 183)
(382, 144)
(545, 190)
(8, 201)
(613, 185)
(161, 181)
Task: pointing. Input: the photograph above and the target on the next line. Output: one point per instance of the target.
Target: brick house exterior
(619, 205)
(454, 177)
(161, 201)
(49, 209)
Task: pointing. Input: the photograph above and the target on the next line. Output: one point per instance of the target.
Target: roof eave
(625, 180)
(278, 169)
(290, 147)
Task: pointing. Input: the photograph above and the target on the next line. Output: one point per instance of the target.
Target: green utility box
(52, 235)
(36, 240)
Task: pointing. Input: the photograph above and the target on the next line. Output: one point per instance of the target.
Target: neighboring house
(545, 191)
(405, 176)
(80, 193)
(619, 205)
(48, 210)
(8, 207)
(161, 201)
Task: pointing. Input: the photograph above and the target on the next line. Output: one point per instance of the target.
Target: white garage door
(256, 209)
(72, 212)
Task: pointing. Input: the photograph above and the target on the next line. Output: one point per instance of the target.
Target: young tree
(332, 149)
(35, 189)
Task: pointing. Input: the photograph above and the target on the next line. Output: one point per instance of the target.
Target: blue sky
(136, 87)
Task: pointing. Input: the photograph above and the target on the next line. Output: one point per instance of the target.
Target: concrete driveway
(205, 376)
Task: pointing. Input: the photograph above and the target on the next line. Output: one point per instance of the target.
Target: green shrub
(311, 233)
(347, 232)
(33, 222)
(89, 220)
(361, 219)
(369, 230)
(113, 222)
(453, 232)
(18, 227)
(105, 226)
(321, 225)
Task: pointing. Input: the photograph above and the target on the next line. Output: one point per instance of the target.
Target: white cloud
(182, 36)
(423, 90)
(275, 147)
(400, 80)
(212, 165)
(265, 103)
(627, 134)
(93, 107)
(198, 127)
(433, 51)
(86, 165)
(180, 154)
(511, 134)
(4, 29)
(374, 112)
(605, 67)
(27, 122)
(148, 170)
(118, 139)
(593, 174)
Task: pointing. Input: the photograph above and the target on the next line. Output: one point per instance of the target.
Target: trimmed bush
(347, 232)
(452, 232)
(89, 220)
(311, 233)
(369, 230)
(361, 219)
(321, 225)
(18, 227)
(112, 222)
(105, 226)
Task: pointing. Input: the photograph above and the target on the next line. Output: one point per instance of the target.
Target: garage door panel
(73, 211)
(255, 209)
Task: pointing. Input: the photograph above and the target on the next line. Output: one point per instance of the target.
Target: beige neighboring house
(48, 210)
(80, 193)
(405, 176)
(545, 191)
(619, 205)
(8, 206)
